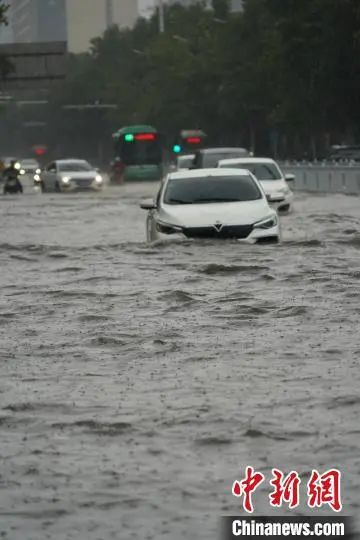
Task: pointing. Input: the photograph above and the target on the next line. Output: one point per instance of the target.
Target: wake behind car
(66, 175)
(270, 176)
(212, 203)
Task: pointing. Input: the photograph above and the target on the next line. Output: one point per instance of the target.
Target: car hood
(202, 215)
(272, 186)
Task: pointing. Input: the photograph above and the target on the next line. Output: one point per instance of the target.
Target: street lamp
(138, 52)
(180, 38)
(161, 17)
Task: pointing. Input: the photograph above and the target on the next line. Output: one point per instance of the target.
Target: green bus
(139, 148)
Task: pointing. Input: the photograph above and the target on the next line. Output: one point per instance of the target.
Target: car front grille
(83, 182)
(227, 231)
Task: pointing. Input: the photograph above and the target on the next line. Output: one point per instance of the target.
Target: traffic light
(177, 148)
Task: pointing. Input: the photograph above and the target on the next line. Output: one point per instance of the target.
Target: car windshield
(212, 159)
(29, 163)
(75, 166)
(211, 189)
(262, 171)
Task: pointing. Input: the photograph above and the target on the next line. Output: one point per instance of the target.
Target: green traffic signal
(129, 137)
(176, 149)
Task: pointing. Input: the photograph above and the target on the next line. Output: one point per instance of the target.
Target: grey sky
(144, 5)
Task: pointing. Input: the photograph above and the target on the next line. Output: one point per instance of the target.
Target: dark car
(345, 153)
(208, 158)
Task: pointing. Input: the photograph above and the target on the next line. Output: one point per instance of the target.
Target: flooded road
(137, 382)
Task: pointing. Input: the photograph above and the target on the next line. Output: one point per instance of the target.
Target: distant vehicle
(67, 175)
(30, 166)
(212, 203)
(209, 157)
(345, 153)
(270, 176)
(189, 140)
(185, 161)
(140, 150)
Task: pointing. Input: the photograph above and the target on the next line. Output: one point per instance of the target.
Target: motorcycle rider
(117, 171)
(10, 175)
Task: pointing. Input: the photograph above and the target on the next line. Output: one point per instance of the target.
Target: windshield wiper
(178, 201)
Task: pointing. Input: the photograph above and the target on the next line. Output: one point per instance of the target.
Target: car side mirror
(149, 204)
(290, 177)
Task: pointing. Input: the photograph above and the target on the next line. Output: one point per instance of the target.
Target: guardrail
(326, 177)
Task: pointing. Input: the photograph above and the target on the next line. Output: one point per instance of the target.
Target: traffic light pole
(161, 17)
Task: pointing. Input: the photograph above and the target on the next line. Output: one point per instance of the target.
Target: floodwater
(138, 381)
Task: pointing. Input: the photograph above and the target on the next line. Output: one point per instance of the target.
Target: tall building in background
(147, 7)
(38, 20)
(85, 21)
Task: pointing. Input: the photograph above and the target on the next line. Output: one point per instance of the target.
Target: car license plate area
(227, 231)
(83, 182)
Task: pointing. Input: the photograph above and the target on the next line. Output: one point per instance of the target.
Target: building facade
(38, 20)
(85, 22)
(147, 7)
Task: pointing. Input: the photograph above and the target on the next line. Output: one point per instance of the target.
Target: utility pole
(109, 13)
(161, 17)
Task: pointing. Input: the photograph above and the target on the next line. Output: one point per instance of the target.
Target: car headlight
(167, 228)
(276, 194)
(17, 166)
(38, 171)
(22, 171)
(267, 223)
(65, 179)
(98, 179)
(37, 178)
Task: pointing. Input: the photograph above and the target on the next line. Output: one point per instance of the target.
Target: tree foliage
(283, 76)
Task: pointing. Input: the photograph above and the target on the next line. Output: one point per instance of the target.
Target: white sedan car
(270, 176)
(212, 203)
(69, 175)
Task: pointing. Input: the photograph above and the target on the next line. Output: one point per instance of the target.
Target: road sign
(34, 65)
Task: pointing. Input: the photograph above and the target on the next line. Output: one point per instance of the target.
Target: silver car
(65, 175)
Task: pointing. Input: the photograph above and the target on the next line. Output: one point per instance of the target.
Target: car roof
(201, 173)
(64, 161)
(186, 156)
(234, 161)
(222, 150)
